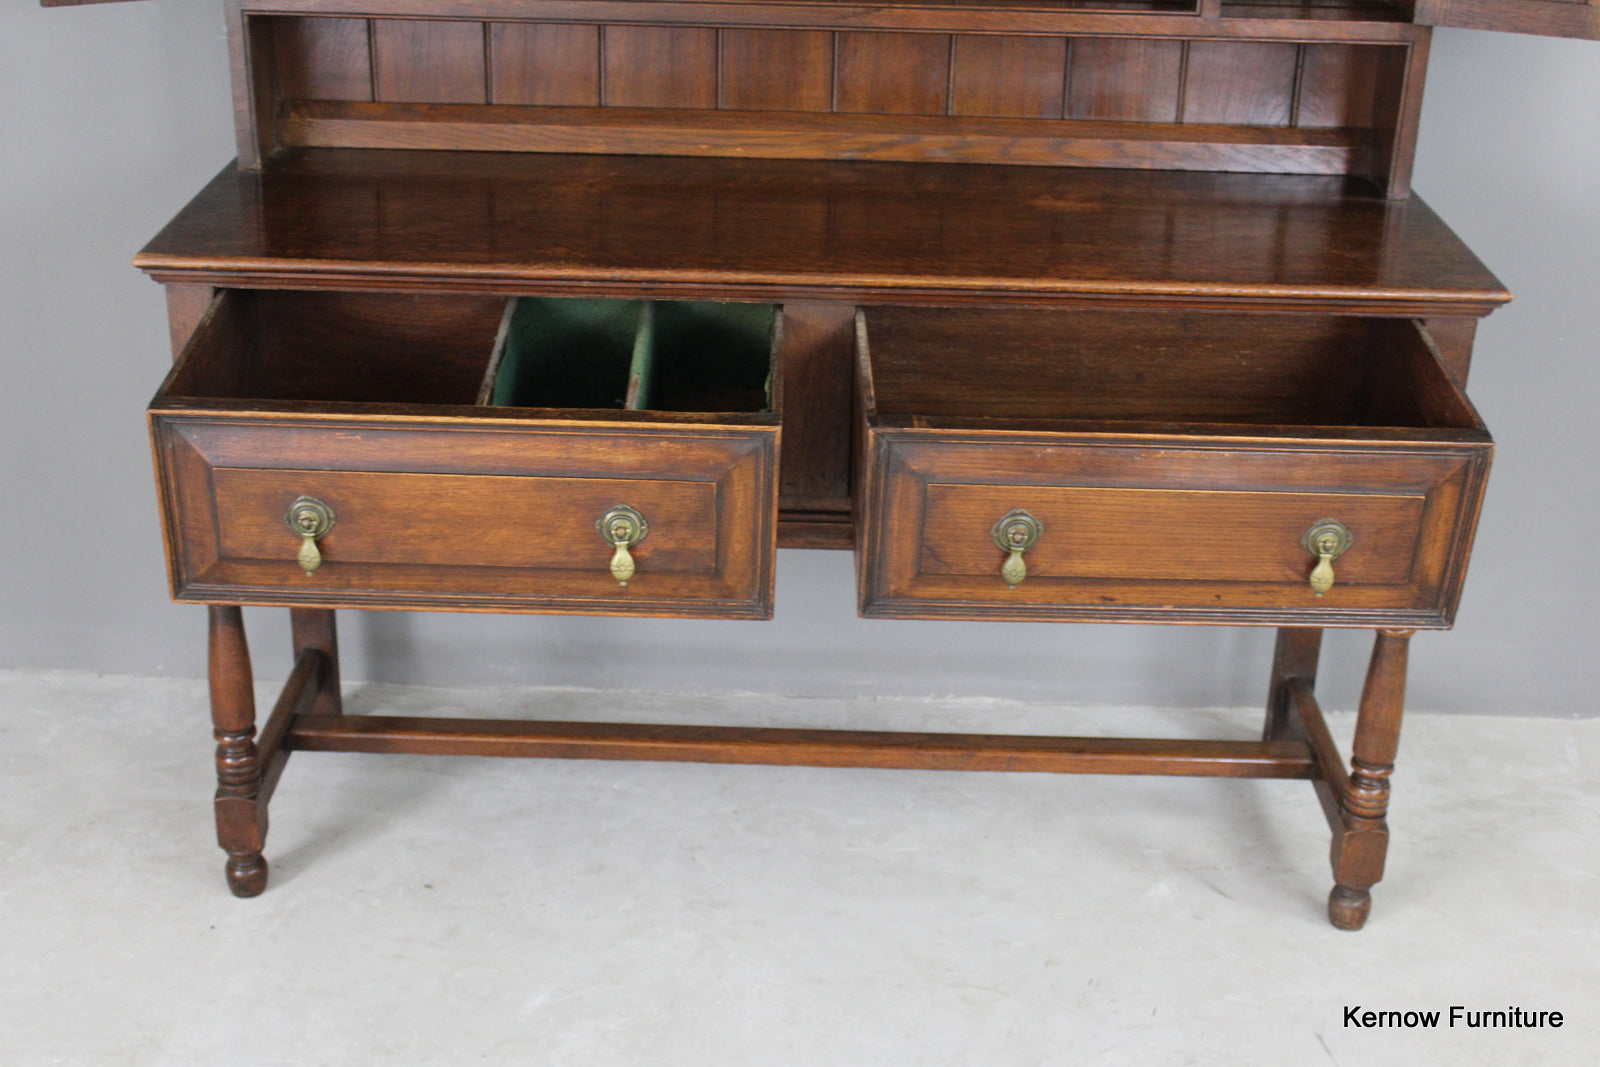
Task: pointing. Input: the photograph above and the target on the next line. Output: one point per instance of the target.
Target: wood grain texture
(429, 62)
(811, 748)
(323, 59)
(1290, 21)
(1400, 110)
(793, 135)
(316, 629)
(544, 64)
(300, 691)
(1551, 18)
(1124, 512)
(1453, 338)
(893, 73)
(1015, 77)
(1359, 850)
(1295, 657)
(482, 222)
(1307, 723)
(818, 381)
(1125, 79)
(656, 66)
(187, 306)
(1155, 504)
(1340, 85)
(777, 70)
(1180, 367)
(1239, 81)
(451, 514)
(241, 816)
(357, 347)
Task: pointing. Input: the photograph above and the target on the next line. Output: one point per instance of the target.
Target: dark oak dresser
(1062, 310)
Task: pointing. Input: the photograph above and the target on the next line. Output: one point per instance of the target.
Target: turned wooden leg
(315, 628)
(241, 819)
(1295, 656)
(1360, 845)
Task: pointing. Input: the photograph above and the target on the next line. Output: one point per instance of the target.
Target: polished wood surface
(810, 748)
(1166, 529)
(470, 515)
(1552, 18)
(1174, 461)
(764, 229)
(365, 402)
(1360, 848)
(1185, 309)
(1132, 366)
(240, 813)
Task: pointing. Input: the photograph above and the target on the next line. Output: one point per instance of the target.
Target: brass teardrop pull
(622, 527)
(309, 519)
(1015, 533)
(1327, 539)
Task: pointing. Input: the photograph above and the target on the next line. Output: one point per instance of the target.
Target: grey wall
(116, 114)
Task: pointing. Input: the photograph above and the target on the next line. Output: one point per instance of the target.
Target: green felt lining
(683, 355)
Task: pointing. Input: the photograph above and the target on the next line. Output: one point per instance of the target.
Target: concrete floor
(463, 911)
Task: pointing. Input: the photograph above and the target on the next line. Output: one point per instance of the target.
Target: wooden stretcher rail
(299, 691)
(1331, 776)
(794, 747)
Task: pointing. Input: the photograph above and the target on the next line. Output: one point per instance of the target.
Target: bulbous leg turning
(1348, 907)
(1361, 841)
(246, 874)
(241, 821)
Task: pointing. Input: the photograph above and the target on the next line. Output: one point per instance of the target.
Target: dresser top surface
(885, 232)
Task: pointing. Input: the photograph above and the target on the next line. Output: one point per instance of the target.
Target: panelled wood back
(1320, 97)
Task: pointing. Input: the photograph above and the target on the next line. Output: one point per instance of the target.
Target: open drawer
(1115, 465)
(470, 452)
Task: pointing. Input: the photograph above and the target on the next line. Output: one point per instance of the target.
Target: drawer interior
(1152, 366)
(637, 354)
(446, 349)
(396, 348)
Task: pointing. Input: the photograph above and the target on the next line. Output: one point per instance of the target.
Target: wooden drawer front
(1164, 530)
(490, 514)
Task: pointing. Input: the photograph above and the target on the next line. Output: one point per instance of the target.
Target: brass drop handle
(1015, 533)
(1327, 539)
(622, 527)
(309, 519)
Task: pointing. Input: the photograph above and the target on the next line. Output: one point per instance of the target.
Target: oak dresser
(1055, 310)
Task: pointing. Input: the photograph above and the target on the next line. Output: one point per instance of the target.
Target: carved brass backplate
(622, 527)
(1015, 533)
(309, 519)
(1327, 539)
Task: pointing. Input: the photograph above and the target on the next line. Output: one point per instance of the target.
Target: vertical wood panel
(546, 64)
(429, 62)
(323, 59)
(818, 381)
(1017, 77)
(777, 70)
(1243, 82)
(1339, 84)
(893, 73)
(1124, 79)
(660, 66)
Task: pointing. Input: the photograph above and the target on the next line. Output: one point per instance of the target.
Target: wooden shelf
(1343, 20)
(805, 229)
(769, 135)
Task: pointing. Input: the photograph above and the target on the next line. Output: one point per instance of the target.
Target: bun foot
(1348, 908)
(247, 874)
